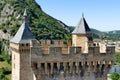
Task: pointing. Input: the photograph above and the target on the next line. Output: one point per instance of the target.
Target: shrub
(115, 76)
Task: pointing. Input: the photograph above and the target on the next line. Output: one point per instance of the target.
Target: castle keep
(79, 59)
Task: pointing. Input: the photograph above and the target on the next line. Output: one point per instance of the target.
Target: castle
(79, 59)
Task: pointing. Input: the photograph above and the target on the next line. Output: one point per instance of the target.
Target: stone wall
(60, 43)
(70, 50)
(21, 62)
(54, 64)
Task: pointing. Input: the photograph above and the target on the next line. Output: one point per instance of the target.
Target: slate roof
(23, 35)
(82, 27)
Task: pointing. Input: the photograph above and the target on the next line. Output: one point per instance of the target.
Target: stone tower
(21, 57)
(82, 35)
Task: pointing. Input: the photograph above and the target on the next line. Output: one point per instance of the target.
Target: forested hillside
(42, 25)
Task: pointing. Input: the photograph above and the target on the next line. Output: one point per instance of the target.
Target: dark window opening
(43, 67)
(52, 42)
(35, 65)
(22, 44)
(61, 67)
(27, 44)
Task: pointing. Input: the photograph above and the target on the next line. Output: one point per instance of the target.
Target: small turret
(82, 35)
(24, 35)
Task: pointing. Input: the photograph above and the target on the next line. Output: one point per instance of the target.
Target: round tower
(21, 57)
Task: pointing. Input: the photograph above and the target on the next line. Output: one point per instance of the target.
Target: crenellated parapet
(73, 50)
(47, 43)
(20, 47)
(72, 62)
(74, 53)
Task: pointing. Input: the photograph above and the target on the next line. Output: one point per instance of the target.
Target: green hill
(42, 25)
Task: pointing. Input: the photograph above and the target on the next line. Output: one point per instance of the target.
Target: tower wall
(80, 40)
(15, 62)
(21, 62)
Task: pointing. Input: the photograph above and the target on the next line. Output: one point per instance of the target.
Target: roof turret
(23, 35)
(82, 27)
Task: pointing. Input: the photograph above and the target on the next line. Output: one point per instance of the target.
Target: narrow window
(27, 44)
(22, 44)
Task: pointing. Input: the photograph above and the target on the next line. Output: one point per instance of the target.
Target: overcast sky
(103, 15)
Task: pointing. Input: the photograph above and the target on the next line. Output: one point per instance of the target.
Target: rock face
(6, 13)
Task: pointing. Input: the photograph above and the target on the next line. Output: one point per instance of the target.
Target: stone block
(110, 49)
(55, 50)
(78, 49)
(74, 50)
(93, 49)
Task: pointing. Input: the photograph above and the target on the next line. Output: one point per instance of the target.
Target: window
(27, 44)
(35, 65)
(22, 44)
(52, 42)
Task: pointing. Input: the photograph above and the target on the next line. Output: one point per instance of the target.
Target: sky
(103, 15)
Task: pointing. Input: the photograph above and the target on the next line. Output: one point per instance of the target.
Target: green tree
(117, 58)
(2, 76)
(115, 76)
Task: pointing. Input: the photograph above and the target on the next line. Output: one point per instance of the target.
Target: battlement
(71, 61)
(46, 48)
(55, 43)
(73, 50)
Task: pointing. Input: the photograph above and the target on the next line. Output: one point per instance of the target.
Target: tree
(117, 58)
(115, 76)
(119, 79)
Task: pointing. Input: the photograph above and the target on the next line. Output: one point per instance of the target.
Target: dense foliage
(41, 24)
(117, 58)
(115, 76)
(5, 64)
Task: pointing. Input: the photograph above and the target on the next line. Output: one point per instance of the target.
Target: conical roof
(82, 27)
(23, 35)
